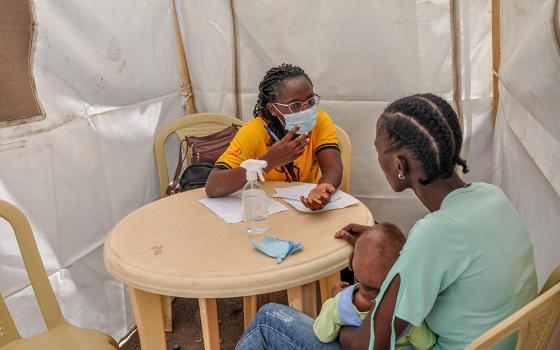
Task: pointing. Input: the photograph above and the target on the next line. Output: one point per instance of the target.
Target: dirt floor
(186, 324)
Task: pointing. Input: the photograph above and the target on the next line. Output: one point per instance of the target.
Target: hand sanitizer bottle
(253, 198)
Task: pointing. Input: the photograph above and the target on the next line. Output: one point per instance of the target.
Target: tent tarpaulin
(107, 76)
(527, 143)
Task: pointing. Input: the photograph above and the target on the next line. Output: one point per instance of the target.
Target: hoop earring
(401, 176)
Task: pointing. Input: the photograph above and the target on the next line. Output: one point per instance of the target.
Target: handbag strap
(175, 181)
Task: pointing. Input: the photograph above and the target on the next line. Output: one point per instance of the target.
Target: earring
(401, 176)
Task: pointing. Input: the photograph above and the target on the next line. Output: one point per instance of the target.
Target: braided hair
(428, 126)
(268, 93)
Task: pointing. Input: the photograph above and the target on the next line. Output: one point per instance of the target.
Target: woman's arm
(223, 182)
(330, 163)
(358, 338)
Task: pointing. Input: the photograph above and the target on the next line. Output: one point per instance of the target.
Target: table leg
(249, 309)
(209, 322)
(148, 313)
(167, 313)
(304, 298)
(326, 283)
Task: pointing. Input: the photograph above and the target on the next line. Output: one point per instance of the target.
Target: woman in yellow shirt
(297, 140)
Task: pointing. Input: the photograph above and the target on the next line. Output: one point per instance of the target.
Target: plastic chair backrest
(48, 304)
(534, 324)
(552, 280)
(346, 154)
(198, 124)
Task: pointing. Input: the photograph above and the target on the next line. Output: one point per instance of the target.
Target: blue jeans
(279, 327)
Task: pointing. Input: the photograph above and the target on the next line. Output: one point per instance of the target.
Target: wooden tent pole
(236, 64)
(186, 88)
(455, 21)
(495, 57)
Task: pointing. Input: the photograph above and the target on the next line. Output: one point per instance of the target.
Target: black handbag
(195, 176)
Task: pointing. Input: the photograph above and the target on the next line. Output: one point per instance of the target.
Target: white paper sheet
(295, 192)
(230, 208)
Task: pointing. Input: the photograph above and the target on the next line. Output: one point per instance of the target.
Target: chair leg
(304, 299)
(167, 313)
(148, 313)
(326, 283)
(209, 322)
(249, 309)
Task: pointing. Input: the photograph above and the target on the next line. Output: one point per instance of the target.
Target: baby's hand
(339, 287)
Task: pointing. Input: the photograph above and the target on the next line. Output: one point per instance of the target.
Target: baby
(375, 252)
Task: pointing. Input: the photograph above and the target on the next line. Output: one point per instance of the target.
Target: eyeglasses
(299, 106)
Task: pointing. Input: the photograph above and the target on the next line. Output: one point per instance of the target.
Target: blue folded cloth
(276, 247)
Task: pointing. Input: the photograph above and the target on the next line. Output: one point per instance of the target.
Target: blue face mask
(305, 119)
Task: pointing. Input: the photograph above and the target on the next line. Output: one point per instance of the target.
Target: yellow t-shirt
(252, 140)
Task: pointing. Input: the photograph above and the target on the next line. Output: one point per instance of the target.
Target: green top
(328, 324)
(464, 268)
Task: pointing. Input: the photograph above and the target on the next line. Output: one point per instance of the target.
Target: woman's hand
(319, 196)
(286, 150)
(337, 288)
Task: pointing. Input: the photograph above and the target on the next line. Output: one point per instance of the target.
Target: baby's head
(375, 252)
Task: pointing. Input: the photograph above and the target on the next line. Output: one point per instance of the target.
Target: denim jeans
(279, 327)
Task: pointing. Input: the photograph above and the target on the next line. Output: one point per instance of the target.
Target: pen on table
(271, 134)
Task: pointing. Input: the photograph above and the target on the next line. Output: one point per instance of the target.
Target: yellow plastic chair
(534, 323)
(198, 124)
(346, 154)
(552, 280)
(60, 335)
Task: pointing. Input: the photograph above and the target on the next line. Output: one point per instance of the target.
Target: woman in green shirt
(465, 266)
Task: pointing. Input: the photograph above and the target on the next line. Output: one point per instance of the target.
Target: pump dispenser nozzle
(254, 167)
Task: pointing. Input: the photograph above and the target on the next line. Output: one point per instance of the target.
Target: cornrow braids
(429, 127)
(268, 91)
(453, 121)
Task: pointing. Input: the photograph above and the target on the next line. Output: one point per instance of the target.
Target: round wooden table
(177, 247)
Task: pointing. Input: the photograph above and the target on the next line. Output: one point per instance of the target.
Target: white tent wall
(360, 55)
(527, 144)
(527, 140)
(107, 76)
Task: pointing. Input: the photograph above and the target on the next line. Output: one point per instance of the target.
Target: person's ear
(402, 167)
(271, 109)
